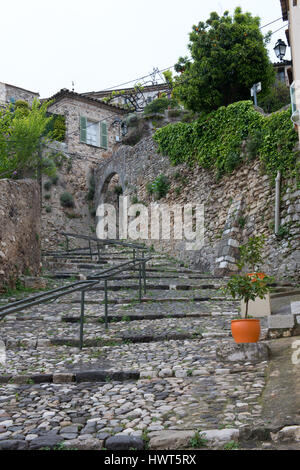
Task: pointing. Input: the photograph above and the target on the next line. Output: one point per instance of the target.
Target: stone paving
(180, 384)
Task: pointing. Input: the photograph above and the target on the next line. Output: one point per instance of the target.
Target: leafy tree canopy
(22, 130)
(229, 55)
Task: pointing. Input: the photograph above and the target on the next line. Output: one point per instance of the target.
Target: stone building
(92, 133)
(11, 94)
(92, 127)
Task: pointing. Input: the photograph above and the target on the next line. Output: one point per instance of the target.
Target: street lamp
(280, 49)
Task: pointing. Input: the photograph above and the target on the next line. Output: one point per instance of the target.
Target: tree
(22, 130)
(277, 97)
(229, 55)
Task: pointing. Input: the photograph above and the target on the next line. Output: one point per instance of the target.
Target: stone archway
(104, 176)
(110, 185)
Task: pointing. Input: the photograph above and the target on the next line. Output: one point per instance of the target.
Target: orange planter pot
(245, 330)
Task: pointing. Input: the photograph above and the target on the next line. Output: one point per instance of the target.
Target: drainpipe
(277, 203)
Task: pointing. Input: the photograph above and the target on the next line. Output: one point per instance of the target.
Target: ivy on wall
(217, 141)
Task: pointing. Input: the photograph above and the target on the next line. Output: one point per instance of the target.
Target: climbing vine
(217, 141)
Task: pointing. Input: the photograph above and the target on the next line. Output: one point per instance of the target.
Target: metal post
(255, 94)
(81, 320)
(98, 249)
(140, 281)
(134, 258)
(67, 240)
(144, 273)
(277, 203)
(105, 303)
(91, 254)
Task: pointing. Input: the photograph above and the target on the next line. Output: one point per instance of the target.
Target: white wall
(294, 28)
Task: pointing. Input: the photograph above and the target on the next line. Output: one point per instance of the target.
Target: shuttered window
(83, 129)
(104, 137)
(93, 133)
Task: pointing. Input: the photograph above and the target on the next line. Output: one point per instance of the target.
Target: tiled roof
(65, 93)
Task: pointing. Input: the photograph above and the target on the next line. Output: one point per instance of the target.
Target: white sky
(45, 45)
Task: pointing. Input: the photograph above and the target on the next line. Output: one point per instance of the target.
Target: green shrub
(91, 191)
(189, 116)
(173, 113)
(251, 253)
(160, 105)
(118, 190)
(54, 179)
(22, 107)
(73, 215)
(48, 167)
(283, 231)
(216, 141)
(242, 222)
(48, 209)
(59, 128)
(131, 120)
(159, 187)
(47, 196)
(47, 185)
(67, 200)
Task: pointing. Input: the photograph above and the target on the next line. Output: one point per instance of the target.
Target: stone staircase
(154, 369)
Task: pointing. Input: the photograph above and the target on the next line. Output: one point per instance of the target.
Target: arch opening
(110, 192)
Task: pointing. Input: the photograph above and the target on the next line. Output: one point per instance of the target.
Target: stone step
(151, 300)
(132, 317)
(282, 292)
(121, 286)
(89, 376)
(126, 339)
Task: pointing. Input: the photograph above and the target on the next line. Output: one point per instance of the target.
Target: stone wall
(73, 177)
(247, 190)
(19, 230)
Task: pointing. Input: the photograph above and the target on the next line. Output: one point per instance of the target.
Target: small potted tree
(246, 288)
(251, 258)
(251, 255)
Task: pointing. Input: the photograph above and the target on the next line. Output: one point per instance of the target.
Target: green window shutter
(103, 135)
(83, 129)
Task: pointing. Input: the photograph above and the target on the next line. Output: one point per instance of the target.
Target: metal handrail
(83, 286)
(104, 241)
(99, 242)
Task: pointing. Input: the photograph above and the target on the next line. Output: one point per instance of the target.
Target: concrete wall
(247, 192)
(20, 226)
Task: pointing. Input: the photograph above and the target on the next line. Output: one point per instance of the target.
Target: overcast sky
(45, 45)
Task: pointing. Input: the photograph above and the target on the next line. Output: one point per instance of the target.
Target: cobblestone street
(155, 369)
